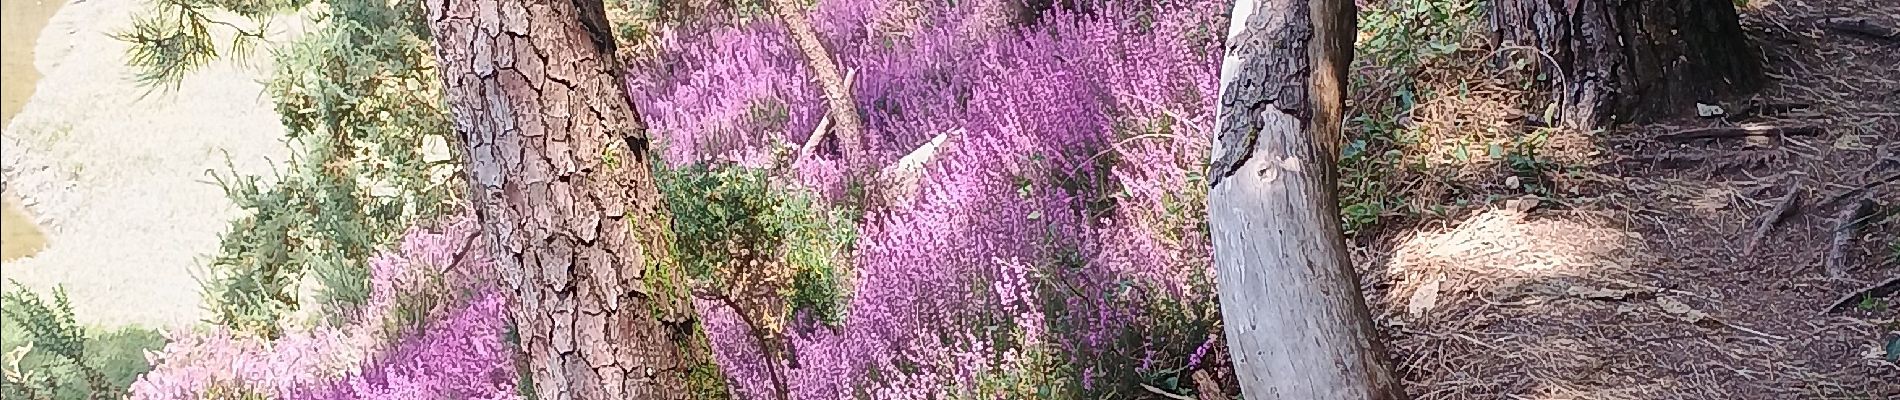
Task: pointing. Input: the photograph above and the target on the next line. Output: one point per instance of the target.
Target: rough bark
(1631, 60)
(841, 108)
(559, 175)
(1295, 320)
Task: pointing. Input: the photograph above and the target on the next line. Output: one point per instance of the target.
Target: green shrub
(49, 356)
(361, 102)
(727, 218)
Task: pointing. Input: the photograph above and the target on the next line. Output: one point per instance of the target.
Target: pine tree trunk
(842, 109)
(559, 171)
(1295, 321)
(1631, 60)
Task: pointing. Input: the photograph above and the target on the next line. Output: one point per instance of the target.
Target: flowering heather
(195, 364)
(432, 328)
(1059, 222)
(428, 271)
(460, 356)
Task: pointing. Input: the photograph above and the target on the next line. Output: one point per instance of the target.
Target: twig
(1756, 332)
(1745, 131)
(1768, 221)
(1861, 26)
(1858, 190)
(1164, 393)
(1846, 225)
(1882, 289)
(468, 244)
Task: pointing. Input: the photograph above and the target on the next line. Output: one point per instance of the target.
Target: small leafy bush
(362, 105)
(49, 356)
(775, 241)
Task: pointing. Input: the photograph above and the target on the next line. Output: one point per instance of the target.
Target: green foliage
(1525, 163)
(816, 242)
(361, 101)
(1398, 38)
(1893, 250)
(637, 23)
(120, 353)
(175, 36)
(49, 356)
(1038, 376)
(704, 379)
(729, 218)
(1871, 303)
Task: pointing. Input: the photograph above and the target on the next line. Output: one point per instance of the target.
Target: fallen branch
(1752, 109)
(1768, 221)
(1846, 225)
(1858, 190)
(1742, 131)
(899, 181)
(824, 126)
(1722, 160)
(1862, 27)
(1877, 290)
(1164, 393)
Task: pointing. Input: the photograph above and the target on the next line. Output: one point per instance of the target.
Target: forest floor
(116, 174)
(1649, 275)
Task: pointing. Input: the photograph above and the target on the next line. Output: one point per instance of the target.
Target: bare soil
(1636, 282)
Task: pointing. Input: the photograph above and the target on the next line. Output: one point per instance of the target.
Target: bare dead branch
(1847, 224)
(824, 126)
(1764, 109)
(1767, 222)
(1862, 27)
(1858, 190)
(1164, 393)
(1877, 290)
(1739, 131)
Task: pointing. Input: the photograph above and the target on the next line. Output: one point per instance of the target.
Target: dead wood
(824, 126)
(1861, 27)
(1164, 393)
(1847, 224)
(1739, 131)
(1858, 190)
(1880, 289)
(1720, 160)
(1763, 109)
(1767, 223)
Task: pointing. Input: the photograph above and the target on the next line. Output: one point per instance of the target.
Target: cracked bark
(559, 176)
(1295, 321)
(1631, 60)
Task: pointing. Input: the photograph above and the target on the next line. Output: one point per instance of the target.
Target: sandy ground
(117, 173)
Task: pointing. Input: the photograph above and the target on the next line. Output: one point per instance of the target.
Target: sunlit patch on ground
(19, 237)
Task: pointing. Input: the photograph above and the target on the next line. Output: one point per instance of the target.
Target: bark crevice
(536, 98)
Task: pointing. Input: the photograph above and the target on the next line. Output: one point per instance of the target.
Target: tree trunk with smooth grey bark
(1296, 323)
